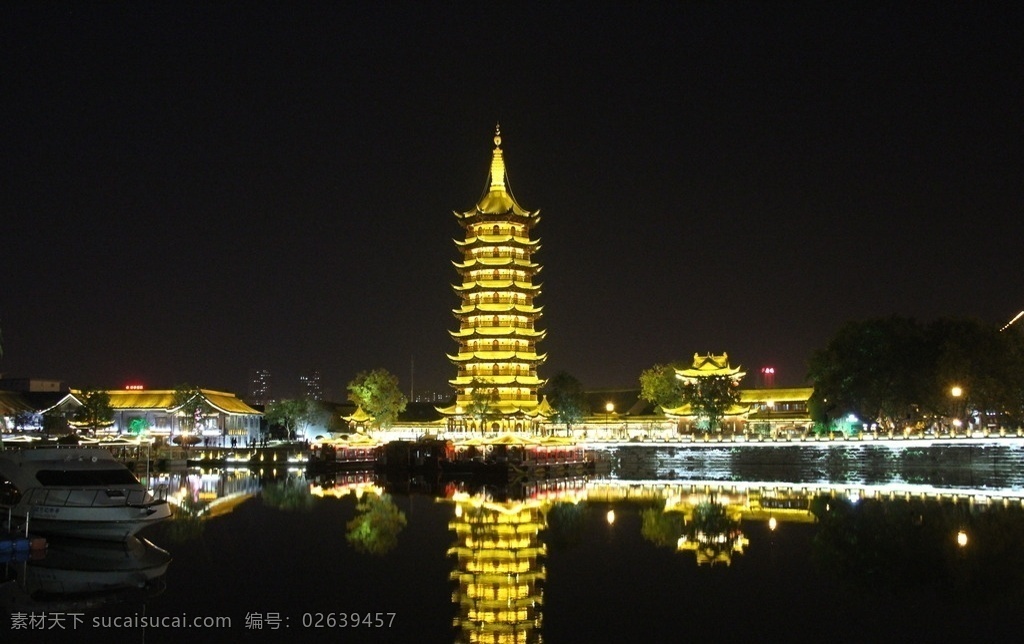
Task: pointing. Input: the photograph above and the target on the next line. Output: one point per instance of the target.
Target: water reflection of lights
(498, 569)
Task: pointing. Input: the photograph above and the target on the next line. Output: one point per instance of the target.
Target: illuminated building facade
(498, 570)
(496, 385)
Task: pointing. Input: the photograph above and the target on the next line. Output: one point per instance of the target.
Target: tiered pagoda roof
(496, 334)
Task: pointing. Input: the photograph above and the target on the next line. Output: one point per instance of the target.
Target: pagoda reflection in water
(499, 569)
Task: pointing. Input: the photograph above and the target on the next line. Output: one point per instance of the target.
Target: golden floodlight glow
(610, 517)
(772, 523)
(497, 359)
(961, 538)
(956, 391)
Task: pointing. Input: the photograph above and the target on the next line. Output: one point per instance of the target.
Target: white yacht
(76, 492)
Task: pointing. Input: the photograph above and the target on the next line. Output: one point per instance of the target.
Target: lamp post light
(608, 408)
(957, 393)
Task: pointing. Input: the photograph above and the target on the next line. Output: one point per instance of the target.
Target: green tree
(710, 397)
(662, 528)
(876, 369)
(376, 526)
(987, 364)
(565, 393)
(290, 494)
(566, 524)
(378, 394)
(484, 401)
(95, 411)
(190, 403)
(292, 415)
(660, 385)
(899, 373)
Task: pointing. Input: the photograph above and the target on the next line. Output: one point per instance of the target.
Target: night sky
(194, 190)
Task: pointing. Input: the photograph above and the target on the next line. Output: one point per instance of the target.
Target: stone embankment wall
(938, 464)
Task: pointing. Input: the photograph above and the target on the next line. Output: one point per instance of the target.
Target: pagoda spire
(497, 163)
(496, 383)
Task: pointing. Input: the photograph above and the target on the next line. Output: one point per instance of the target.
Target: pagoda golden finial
(497, 163)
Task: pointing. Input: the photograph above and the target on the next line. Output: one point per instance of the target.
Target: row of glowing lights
(495, 275)
(498, 252)
(488, 344)
(500, 297)
(486, 229)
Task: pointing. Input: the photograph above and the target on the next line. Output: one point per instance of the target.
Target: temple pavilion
(497, 385)
(708, 366)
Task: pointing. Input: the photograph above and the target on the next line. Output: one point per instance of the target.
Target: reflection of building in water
(205, 493)
(712, 533)
(499, 570)
(341, 484)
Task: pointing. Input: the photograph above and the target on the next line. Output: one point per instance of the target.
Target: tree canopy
(565, 393)
(484, 401)
(710, 397)
(900, 373)
(189, 401)
(375, 528)
(660, 385)
(378, 394)
(95, 411)
(291, 415)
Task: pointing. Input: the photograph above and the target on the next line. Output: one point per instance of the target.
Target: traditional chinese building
(769, 412)
(499, 571)
(710, 366)
(155, 412)
(497, 384)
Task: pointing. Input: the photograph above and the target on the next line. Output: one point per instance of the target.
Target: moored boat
(77, 492)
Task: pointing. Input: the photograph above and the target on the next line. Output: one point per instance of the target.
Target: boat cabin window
(68, 478)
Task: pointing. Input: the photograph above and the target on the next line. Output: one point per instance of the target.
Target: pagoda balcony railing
(509, 398)
(483, 373)
(493, 325)
(484, 253)
(491, 299)
(486, 346)
(487, 275)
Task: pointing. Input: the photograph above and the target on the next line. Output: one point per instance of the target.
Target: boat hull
(106, 524)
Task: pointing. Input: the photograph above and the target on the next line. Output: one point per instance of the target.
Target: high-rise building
(311, 387)
(497, 384)
(259, 387)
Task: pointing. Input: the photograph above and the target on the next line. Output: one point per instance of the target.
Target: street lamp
(956, 392)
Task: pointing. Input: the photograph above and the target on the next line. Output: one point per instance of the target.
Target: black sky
(193, 190)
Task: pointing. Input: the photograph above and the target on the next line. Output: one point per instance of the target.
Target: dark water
(868, 558)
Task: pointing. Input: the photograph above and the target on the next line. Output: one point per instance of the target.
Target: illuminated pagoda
(498, 569)
(710, 365)
(497, 384)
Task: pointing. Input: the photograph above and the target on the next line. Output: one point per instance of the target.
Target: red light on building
(768, 377)
(133, 387)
